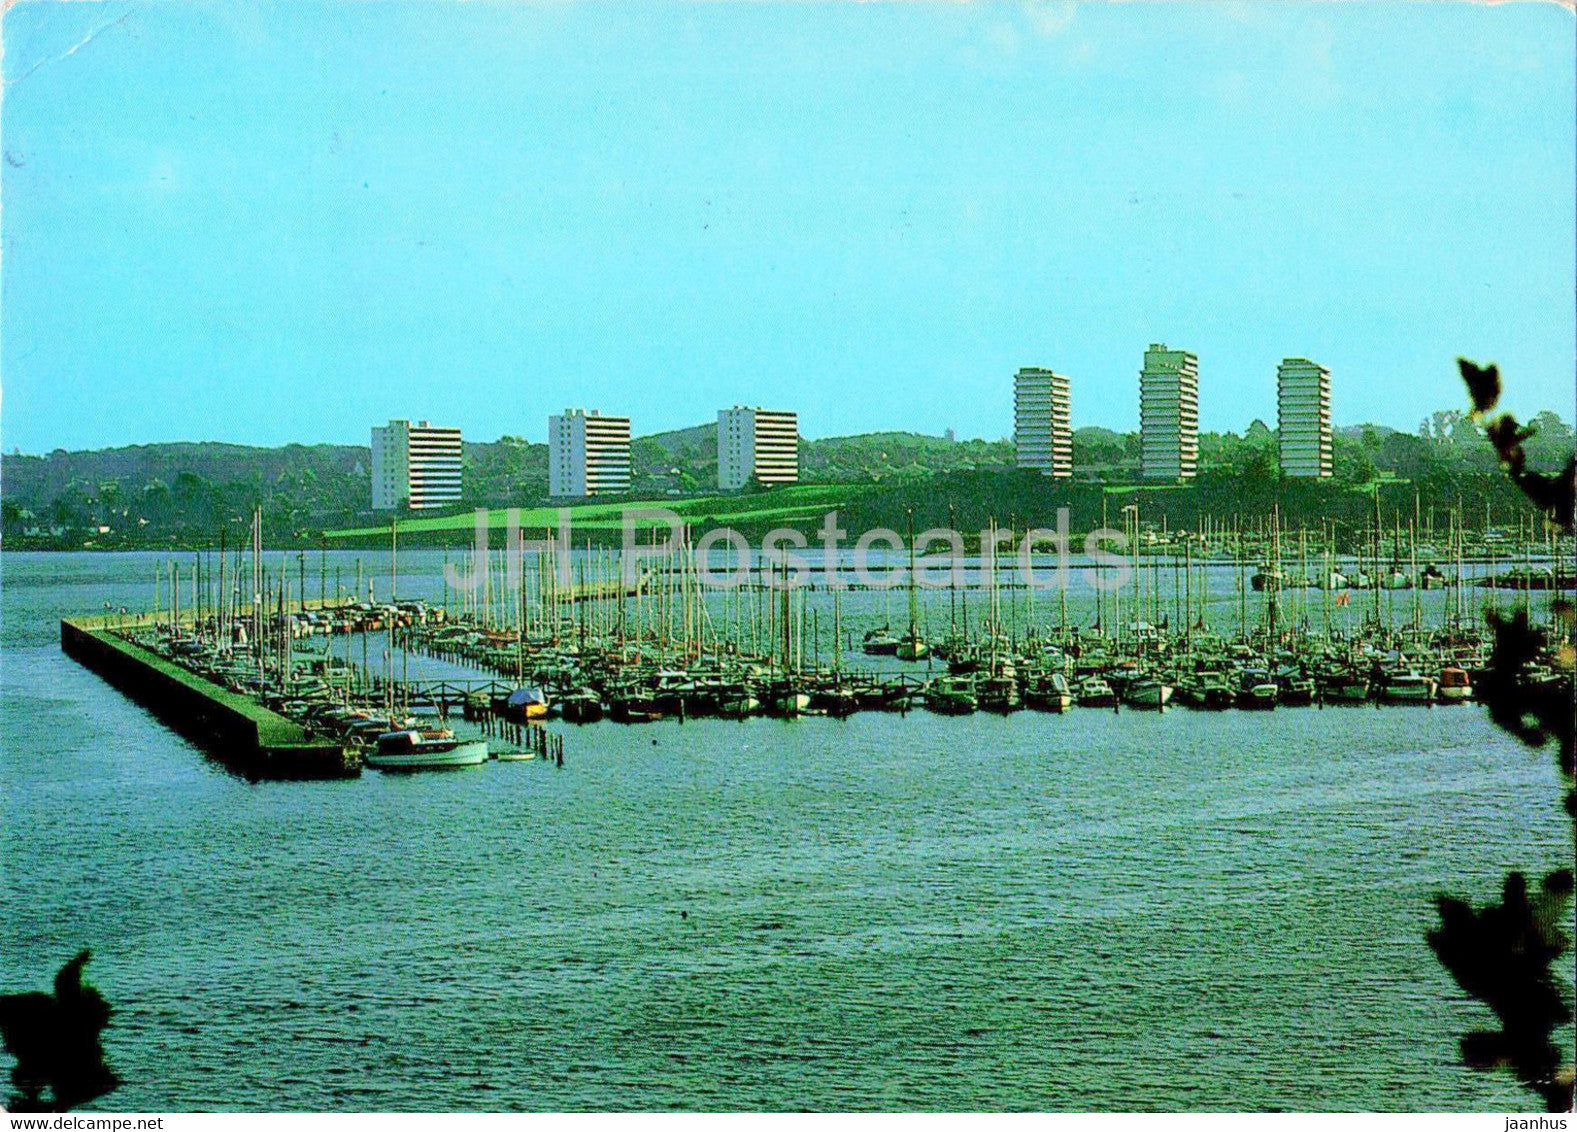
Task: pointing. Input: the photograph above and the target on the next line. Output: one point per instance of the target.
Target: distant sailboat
(910, 646)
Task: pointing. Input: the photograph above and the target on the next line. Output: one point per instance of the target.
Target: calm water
(1080, 912)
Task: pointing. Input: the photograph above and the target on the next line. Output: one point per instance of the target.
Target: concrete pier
(232, 727)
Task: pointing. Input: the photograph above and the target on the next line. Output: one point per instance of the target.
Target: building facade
(1303, 418)
(415, 466)
(1042, 422)
(1169, 414)
(588, 454)
(759, 444)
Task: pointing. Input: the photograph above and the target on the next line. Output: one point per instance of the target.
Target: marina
(1024, 910)
(787, 558)
(288, 685)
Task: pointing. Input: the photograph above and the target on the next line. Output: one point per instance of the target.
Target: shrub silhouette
(55, 1041)
(1505, 954)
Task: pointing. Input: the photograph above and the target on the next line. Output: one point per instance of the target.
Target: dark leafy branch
(1503, 955)
(1506, 954)
(1552, 494)
(54, 1039)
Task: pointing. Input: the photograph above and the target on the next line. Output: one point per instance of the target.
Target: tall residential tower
(588, 454)
(1042, 428)
(1169, 414)
(1303, 418)
(759, 444)
(415, 466)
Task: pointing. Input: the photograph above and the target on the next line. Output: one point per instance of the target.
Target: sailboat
(526, 704)
(879, 642)
(1094, 692)
(1206, 689)
(737, 701)
(1049, 691)
(582, 705)
(786, 694)
(998, 689)
(1454, 685)
(835, 697)
(998, 692)
(951, 695)
(1257, 691)
(910, 646)
(1147, 691)
(1404, 684)
(786, 698)
(1343, 684)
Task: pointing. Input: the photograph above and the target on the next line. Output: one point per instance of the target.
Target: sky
(288, 223)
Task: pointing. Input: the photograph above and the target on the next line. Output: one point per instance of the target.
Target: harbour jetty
(236, 728)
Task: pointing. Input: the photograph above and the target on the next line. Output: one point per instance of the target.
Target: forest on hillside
(183, 494)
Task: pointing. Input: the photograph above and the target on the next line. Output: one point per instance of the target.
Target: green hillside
(184, 494)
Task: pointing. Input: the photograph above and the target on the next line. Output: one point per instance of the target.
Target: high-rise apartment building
(759, 444)
(415, 466)
(1169, 414)
(1303, 418)
(588, 454)
(1042, 423)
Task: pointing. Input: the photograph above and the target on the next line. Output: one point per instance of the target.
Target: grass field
(788, 504)
(979, 497)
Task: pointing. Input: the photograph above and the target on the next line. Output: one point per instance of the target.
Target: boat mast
(952, 588)
(913, 599)
(837, 631)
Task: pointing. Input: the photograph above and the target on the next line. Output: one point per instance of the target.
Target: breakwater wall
(236, 730)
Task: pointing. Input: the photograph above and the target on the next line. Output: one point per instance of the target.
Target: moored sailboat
(1258, 692)
(1407, 686)
(1094, 692)
(1146, 691)
(999, 693)
(1454, 685)
(951, 695)
(1049, 691)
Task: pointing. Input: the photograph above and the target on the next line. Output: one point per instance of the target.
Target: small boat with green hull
(951, 695)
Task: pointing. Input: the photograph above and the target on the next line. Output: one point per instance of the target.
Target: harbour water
(1087, 911)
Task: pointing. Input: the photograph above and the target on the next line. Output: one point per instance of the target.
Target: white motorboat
(425, 750)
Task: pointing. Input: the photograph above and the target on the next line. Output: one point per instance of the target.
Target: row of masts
(671, 609)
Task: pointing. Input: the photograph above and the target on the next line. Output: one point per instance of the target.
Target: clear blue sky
(293, 222)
